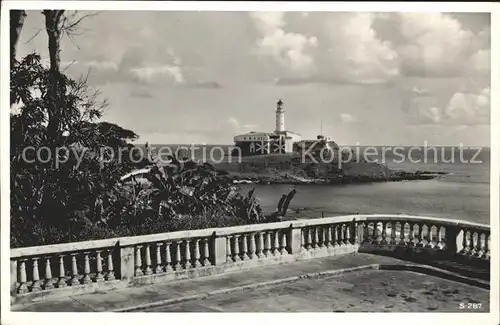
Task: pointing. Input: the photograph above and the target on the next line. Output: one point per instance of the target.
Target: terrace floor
(348, 283)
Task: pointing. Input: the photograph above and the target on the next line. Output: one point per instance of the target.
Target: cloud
(330, 48)
(203, 84)
(356, 52)
(290, 50)
(196, 49)
(463, 108)
(141, 93)
(152, 74)
(469, 108)
(234, 124)
(437, 45)
(348, 118)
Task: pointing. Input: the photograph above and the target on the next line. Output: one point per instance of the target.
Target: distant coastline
(351, 179)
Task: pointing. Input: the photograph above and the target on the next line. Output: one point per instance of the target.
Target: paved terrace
(351, 263)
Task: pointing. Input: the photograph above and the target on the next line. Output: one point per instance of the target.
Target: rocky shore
(341, 180)
(273, 170)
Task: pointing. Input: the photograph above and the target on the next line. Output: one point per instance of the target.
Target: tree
(17, 18)
(45, 193)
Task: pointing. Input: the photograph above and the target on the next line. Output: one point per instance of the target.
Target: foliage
(58, 177)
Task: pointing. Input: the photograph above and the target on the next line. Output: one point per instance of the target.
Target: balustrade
(57, 267)
(327, 237)
(172, 256)
(245, 247)
(49, 271)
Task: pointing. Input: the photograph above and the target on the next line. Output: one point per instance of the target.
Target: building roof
(253, 134)
(288, 131)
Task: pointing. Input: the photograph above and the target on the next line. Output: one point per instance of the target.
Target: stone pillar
(127, 262)
(453, 239)
(13, 276)
(294, 238)
(219, 249)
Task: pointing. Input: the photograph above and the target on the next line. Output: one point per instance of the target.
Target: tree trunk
(56, 90)
(53, 28)
(17, 18)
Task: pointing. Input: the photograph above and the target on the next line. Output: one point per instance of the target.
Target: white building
(279, 141)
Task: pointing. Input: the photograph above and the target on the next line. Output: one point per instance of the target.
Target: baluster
(355, 236)
(62, 273)
(268, 251)
(384, 233)
(347, 236)
(260, 245)
(237, 248)
(158, 268)
(441, 238)
(197, 253)
(75, 278)
(389, 232)
(86, 269)
(138, 261)
(244, 247)
(168, 258)
(316, 238)
(111, 270)
(276, 244)
(99, 277)
(48, 274)
(23, 288)
(322, 238)
(373, 233)
(35, 286)
(178, 248)
(413, 234)
(370, 234)
(206, 253)
(423, 235)
(401, 234)
(379, 232)
(474, 243)
(342, 234)
(481, 244)
(187, 255)
(329, 237)
(229, 253)
(147, 253)
(487, 254)
(404, 242)
(410, 233)
(252, 247)
(466, 242)
(335, 235)
(283, 244)
(308, 247)
(431, 237)
(303, 243)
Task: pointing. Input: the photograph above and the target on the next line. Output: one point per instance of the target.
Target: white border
(135, 318)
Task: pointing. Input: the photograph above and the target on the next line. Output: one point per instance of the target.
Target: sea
(463, 192)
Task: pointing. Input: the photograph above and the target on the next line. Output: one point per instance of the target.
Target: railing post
(127, 262)
(452, 236)
(294, 237)
(219, 249)
(13, 276)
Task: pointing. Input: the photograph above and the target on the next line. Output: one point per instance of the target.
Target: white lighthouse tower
(280, 117)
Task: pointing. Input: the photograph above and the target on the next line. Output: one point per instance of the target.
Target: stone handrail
(84, 266)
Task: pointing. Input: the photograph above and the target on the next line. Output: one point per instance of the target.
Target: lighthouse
(263, 143)
(280, 117)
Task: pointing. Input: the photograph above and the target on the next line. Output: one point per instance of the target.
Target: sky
(363, 78)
